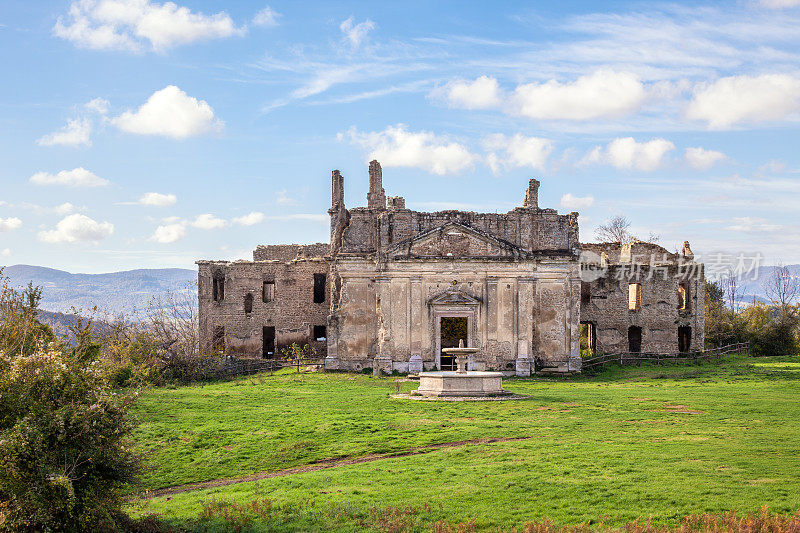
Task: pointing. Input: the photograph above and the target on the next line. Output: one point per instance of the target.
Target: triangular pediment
(454, 297)
(455, 240)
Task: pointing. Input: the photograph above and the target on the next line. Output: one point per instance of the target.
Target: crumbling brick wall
(293, 312)
(605, 301)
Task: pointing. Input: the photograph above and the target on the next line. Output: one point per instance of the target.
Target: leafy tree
(20, 331)
(294, 353)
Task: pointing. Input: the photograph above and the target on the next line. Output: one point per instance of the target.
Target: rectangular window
(319, 288)
(268, 291)
(218, 288)
(684, 302)
(634, 296)
(218, 342)
(268, 342)
(320, 333)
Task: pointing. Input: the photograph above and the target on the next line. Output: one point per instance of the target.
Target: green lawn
(659, 442)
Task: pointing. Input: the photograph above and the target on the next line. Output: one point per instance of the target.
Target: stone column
(523, 360)
(383, 360)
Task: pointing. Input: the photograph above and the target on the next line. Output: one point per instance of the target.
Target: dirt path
(321, 464)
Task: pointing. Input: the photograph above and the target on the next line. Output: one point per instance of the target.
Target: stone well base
(472, 384)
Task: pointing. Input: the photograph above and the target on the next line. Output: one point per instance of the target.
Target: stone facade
(288, 306)
(401, 284)
(670, 313)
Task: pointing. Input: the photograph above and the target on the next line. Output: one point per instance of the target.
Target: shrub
(20, 331)
(64, 455)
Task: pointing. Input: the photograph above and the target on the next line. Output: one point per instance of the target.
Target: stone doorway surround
(453, 303)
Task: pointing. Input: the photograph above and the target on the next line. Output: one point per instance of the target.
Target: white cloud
(172, 113)
(483, 93)
(64, 209)
(779, 4)
(753, 225)
(249, 219)
(570, 201)
(604, 93)
(168, 233)
(356, 33)
(5, 252)
(626, 153)
(283, 198)
(136, 25)
(77, 132)
(98, 105)
(737, 99)
(397, 147)
(208, 221)
(266, 17)
(702, 159)
(10, 224)
(516, 151)
(77, 228)
(158, 199)
(77, 177)
(773, 166)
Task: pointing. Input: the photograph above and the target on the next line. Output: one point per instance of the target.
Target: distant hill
(114, 293)
(753, 290)
(62, 323)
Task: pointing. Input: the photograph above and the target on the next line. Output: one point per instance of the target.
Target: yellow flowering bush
(64, 450)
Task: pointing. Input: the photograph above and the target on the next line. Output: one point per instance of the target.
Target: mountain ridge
(126, 292)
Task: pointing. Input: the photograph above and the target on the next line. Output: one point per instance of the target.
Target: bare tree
(616, 229)
(732, 290)
(782, 287)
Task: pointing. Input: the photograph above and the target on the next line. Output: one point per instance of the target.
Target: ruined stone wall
(293, 312)
(289, 252)
(530, 229)
(515, 309)
(659, 315)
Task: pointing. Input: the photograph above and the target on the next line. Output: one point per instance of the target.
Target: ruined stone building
(395, 286)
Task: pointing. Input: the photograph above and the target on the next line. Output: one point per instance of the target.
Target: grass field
(659, 442)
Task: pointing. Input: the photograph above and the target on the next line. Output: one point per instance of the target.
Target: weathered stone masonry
(397, 285)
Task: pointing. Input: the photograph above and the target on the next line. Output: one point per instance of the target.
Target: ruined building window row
(319, 288)
(218, 287)
(268, 291)
(320, 333)
(248, 303)
(634, 296)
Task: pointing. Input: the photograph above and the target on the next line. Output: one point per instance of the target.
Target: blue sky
(142, 134)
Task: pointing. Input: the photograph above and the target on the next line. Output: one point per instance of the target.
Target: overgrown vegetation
(263, 515)
(771, 329)
(65, 454)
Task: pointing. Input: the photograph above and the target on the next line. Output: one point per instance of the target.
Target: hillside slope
(116, 292)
